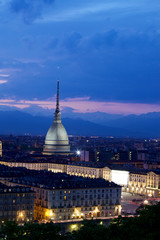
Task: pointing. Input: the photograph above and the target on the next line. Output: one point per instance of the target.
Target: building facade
(16, 204)
(146, 183)
(87, 170)
(103, 199)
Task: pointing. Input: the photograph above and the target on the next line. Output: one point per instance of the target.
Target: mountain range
(144, 125)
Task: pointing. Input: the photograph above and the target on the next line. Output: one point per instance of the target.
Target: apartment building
(59, 196)
(16, 204)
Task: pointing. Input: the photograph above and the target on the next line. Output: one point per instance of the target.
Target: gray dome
(56, 134)
(56, 141)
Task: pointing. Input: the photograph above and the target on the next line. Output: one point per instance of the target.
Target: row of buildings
(40, 195)
(133, 180)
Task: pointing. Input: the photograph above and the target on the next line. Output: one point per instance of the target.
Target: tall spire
(57, 114)
(57, 104)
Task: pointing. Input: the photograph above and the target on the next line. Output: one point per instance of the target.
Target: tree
(91, 230)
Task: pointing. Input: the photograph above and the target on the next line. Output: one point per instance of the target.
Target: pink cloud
(85, 105)
(14, 105)
(4, 75)
(3, 81)
(7, 101)
(78, 99)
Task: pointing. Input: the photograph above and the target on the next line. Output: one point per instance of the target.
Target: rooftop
(16, 189)
(50, 180)
(88, 164)
(128, 168)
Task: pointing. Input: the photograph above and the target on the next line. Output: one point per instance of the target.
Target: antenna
(57, 104)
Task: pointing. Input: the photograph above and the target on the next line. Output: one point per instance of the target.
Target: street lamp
(78, 152)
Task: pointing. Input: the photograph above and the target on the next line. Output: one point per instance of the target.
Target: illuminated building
(84, 169)
(16, 204)
(116, 173)
(120, 177)
(56, 141)
(90, 170)
(133, 180)
(60, 196)
(138, 181)
(145, 182)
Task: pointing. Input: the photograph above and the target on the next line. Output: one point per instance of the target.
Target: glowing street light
(96, 210)
(78, 152)
(145, 202)
(49, 213)
(21, 214)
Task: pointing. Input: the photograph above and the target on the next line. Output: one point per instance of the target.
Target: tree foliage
(31, 231)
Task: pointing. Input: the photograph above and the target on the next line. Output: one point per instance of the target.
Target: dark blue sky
(108, 52)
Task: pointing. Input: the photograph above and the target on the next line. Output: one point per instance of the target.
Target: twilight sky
(108, 52)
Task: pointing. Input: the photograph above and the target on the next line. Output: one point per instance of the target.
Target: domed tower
(56, 141)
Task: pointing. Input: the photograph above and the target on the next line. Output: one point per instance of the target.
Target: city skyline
(97, 64)
(108, 55)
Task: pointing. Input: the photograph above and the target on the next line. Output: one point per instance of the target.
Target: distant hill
(145, 125)
(86, 128)
(17, 122)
